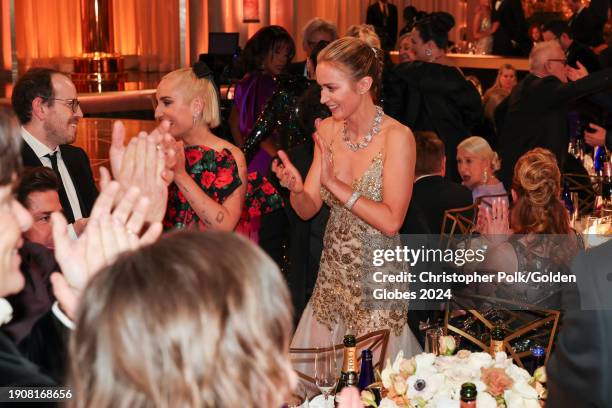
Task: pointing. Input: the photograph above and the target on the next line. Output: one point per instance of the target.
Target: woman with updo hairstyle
(361, 156)
(477, 164)
(364, 32)
(430, 94)
(210, 176)
(537, 229)
(184, 322)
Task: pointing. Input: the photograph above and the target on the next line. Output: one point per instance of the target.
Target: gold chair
(523, 322)
(587, 187)
(457, 221)
(375, 341)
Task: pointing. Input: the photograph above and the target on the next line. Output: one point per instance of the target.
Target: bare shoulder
(397, 134)
(221, 144)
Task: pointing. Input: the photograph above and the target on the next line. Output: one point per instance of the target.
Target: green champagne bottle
(348, 376)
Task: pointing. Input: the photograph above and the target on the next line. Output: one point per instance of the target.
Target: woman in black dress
(430, 94)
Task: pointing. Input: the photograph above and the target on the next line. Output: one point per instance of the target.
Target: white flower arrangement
(427, 380)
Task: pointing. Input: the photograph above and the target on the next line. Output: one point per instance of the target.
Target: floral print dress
(217, 175)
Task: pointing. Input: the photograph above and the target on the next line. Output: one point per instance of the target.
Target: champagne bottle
(366, 374)
(348, 376)
(468, 395)
(497, 340)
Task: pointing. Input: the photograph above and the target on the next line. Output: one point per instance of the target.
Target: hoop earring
(428, 52)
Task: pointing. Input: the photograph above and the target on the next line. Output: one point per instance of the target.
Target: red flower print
(207, 178)
(268, 189)
(224, 177)
(193, 156)
(252, 176)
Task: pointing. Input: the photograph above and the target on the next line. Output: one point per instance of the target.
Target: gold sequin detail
(337, 293)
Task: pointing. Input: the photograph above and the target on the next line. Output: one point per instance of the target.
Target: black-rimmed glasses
(73, 104)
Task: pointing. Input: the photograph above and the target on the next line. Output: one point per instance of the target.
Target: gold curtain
(149, 29)
(48, 32)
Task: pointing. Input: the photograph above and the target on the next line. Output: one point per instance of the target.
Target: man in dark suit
(587, 23)
(580, 367)
(432, 193)
(511, 37)
(535, 113)
(383, 16)
(46, 104)
(314, 31)
(574, 50)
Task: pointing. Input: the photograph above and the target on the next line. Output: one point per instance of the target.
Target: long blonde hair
(194, 320)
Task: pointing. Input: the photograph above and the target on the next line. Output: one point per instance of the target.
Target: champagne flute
(326, 374)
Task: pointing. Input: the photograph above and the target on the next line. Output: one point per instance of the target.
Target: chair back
(303, 359)
(587, 187)
(524, 325)
(457, 221)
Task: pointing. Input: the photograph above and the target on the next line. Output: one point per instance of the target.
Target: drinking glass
(432, 337)
(298, 398)
(326, 374)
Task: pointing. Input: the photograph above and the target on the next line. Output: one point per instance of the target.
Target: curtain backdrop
(49, 31)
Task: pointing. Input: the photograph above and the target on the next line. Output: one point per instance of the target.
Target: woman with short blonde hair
(477, 164)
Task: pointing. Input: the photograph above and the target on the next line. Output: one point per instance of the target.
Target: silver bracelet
(352, 200)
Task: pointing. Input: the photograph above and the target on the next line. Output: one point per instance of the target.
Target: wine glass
(325, 371)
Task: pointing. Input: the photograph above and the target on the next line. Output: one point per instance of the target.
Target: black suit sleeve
(563, 93)
(88, 186)
(47, 346)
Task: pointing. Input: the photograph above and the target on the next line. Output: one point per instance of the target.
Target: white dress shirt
(41, 151)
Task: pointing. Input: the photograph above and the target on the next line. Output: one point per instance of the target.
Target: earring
(428, 52)
(485, 176)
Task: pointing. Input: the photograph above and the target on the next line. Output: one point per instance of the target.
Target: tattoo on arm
(220, 217)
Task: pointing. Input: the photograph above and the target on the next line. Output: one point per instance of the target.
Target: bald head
(547, 58)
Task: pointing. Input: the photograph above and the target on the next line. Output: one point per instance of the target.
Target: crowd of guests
(346, 147)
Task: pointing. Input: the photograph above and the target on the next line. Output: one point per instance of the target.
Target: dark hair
(261, 43)
(557, 27)
(10, 146)
(410, 13)
(435, 27)
(316, 50)
(36, 82)
(35, 179)
(429, 153)
(184, 322)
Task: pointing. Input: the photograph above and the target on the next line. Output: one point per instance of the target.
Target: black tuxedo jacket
(78, 166)
(432, 196)
(385, 26)
(16, 370)
(512, 27)
(587, 26)
(580, 367)
(535, 115)
(578, 52)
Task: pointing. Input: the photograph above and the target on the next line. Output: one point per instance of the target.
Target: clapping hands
(493, 221)
(110, 231)
(147, 163)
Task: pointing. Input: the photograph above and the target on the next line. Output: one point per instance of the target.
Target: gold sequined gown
(336, 304)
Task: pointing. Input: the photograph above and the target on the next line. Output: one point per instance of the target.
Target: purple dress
(250, 98)
(489, 190)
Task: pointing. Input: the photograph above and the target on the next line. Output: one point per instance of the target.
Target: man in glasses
(535, 114)
(314, 31)
(46, 104)
(574, 50)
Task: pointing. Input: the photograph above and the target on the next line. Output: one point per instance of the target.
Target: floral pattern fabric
(217, 175)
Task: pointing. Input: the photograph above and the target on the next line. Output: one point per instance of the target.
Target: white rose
(424, 361)
(476, 361)
(525, 390)
(518, 374)
(485, 400)
(6, 311)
